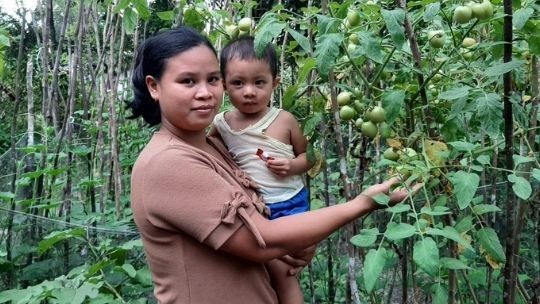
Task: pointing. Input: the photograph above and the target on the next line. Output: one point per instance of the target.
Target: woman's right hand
(396, 196)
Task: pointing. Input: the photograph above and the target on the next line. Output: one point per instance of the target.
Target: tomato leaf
(521, 16)
(426, 256)
(465, 185)
(440, 294)
(326, 51)
(373, 267)
(501, 68)
(394, 23)
(393, 102)
(301, 39)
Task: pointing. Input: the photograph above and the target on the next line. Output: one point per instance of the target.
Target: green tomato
(468, 42)
(353, 18)
(353, 38)
(232, 31)
(488, 9)
(462, 14)
(245, 24)
(467, 54)
(386, 131)
(390, 154)
(408, 154)
(344, 98)
(436, 39)
(351, 47)
(359, 106)
(358, 123)
(377, 115)
(347, 113)
(369, 129)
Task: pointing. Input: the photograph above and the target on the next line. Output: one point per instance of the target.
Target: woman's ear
(276, 82)
(151, 83)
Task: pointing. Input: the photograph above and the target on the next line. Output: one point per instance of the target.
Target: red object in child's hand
(263, 155)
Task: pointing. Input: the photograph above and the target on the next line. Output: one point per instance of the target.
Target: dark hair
(243, 48)
(152, 56)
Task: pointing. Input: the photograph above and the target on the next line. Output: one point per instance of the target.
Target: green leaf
(521, 16)
(536, 174)
(399, 208)
(490, 243)
(122, 4)
(426, 256)
(327, 25)
(290, 96)
(57, 236)
(522, 187)
(6, 196)
(303, 42)
(464, 224)
(166, 15)
(326, 51)
(450, 233)
(129, 20)
(365, 238)
(371, 46)
(505, 67)
(440, 294)
(399, 231)
(305, 68)
(394, 23)
(129, 269)
(373, 267)
(465, 185)
(4, 41)
(436, 211)
(483, 159)
(266, 33)
(463, 146)
(485, 208)
(488, 112)
(142, 8)
(312, 122)
(431, 11)
(193, 18)
(518, 159)
(381, 199)
(455, 93)
(393, 102)
(455, 264)
(132, 244)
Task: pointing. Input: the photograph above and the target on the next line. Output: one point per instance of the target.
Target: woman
(203, 226)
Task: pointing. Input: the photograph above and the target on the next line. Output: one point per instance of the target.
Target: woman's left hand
(298, 260)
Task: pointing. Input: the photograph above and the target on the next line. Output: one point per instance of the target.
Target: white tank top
(243, 145)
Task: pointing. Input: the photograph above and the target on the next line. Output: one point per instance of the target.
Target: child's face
(189, 92)
(250, 84)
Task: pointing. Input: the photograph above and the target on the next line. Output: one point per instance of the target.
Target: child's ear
(151, 83)
(276, 82)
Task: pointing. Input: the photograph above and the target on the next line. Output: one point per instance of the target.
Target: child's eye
(236, 82)
(260, 82)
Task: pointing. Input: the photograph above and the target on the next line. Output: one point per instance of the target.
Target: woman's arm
(291, 234)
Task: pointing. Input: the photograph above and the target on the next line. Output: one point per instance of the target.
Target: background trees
(451, 101)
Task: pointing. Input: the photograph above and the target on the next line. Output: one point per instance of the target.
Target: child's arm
(299, 164)
(213, 132)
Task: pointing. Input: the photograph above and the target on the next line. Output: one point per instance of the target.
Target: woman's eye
(187, 81)
(214, 79)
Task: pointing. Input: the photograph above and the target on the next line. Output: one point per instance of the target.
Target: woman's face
(189, 91)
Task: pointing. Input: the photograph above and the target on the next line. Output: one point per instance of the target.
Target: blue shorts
(297, 204)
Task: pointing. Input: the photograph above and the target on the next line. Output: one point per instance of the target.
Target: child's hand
(279, 166)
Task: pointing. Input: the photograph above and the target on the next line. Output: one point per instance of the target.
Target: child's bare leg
(286, 286)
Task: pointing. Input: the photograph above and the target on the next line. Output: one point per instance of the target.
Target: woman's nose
(203, 92)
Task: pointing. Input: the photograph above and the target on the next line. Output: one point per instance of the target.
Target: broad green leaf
(454, 264)
(394, 23)
(327, 25)
(398, 208)
(485, 208)
(490, 243)
(435, 211)
(399, 231)
(86, 290)
(464, 224)
(518, 160)
(64, 295)
(455, 93)
(371, 46)
(122, 4)
(132, 244)
(431, 11)
(266, 33)
(308, 65)
(6, 196)
(488, 112)
(463, 146)
(465, 185)
(483, 159)
(289, 96)
(166, 15)
(303, 42)
(129, 20)
(426, 256)
(450, 233)
(326, 51)
(311, 123)
(505, 67)
(142, 8)
(57, 236)
(381, 199)
(365, 238)
(440, 294)
(129, 269)
(522, 187)
(193, 18)
(144, 276)
(521, 16)
(536, 174)
(373, 267)
(393, 102)
(4, 40)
